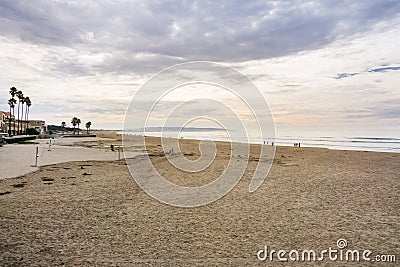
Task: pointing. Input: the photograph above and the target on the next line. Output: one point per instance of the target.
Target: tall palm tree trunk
(14, 121)
(9, 123)
(28, 103)
(22, 118)
(18, 118)
(26, 119)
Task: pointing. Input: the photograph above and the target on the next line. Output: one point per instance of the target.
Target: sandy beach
(87, 213)
(199, 133)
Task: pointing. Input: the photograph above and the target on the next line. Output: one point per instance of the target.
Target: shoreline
(112, 137)
(304, 142)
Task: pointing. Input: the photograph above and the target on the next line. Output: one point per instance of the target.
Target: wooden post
(36, 156)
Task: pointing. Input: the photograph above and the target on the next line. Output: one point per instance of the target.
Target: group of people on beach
(295, 144)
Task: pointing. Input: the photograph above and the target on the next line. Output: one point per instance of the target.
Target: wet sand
(93, 213)
(19, 159)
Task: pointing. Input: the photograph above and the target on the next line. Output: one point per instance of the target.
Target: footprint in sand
(19, 185)
(47, 180)
(69, 177)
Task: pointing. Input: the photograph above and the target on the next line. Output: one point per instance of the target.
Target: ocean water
(378, 144)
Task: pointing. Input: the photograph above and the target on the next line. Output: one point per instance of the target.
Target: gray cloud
(71, 67)
(375, 113)
(379, 110)
(144, 36)
(345, 75)
(384, 69)
(379, 69)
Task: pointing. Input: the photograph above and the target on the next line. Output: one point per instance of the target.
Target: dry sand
(93, 213)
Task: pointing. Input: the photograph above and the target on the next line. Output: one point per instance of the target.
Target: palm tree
(88, 124)
(22, 113)
(78, 121)
(11, 103)
(20, 96)
(74, 122)
(63, 126)
(13, 92)
(28, 103)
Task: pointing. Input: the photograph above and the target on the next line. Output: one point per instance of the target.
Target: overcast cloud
(77, 54)
(134, 33)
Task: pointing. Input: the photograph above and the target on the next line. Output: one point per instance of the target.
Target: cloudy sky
(326, 68)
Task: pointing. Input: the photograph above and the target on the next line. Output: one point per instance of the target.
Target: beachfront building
(7, 126)
(38, 125)
(5, 121)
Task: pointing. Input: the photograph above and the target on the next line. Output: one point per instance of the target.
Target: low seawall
(19, 138)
